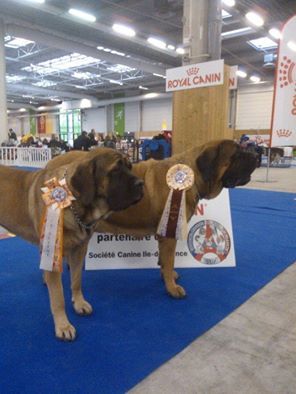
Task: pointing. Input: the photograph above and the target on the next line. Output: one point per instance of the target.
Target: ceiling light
(84, 75)
(8, 111)
(82, 15)
(143, 87)
(80, 87)
(241, 73)
(292, 45)
(255, 78)
(156, 42)
(115, 82)
(236, 32)
(37, 1)
(171, 47)
(225, 14)
(61, 63)
(117, 53)
(255, 18)
(41, 108)
(124, 30)
(85, 103)
(151, 95)
(55, 99)
(120, 68)
(44, 83)
(229, 3)
(275, 33)
(18, 43)
(263, 43)
(159, 75)
(107, 50)
(180, 50)
(22, 110)
(14, 78)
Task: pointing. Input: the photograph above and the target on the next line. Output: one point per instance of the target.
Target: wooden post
(201, 115)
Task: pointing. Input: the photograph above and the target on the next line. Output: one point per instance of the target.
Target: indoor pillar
(201, 114)
(3, 103)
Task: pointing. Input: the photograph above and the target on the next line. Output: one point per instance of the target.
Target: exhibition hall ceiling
(53, 55)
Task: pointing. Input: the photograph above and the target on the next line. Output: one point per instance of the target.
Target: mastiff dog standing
(101, 181)
(216, 164)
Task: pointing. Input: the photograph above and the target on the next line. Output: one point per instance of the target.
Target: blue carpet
(135, 327)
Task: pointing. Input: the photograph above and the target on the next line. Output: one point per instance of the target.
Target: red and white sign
(233, 77)
(195, 76)
(284, 102)
(209, 243)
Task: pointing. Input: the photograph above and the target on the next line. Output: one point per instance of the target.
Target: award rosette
(173, 223)
(56, 196)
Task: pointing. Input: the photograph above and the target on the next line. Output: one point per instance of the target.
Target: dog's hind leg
(167, 248)
(76, 259)
(63, 328)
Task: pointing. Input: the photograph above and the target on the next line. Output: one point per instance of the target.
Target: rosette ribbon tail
(56, 196)
(51, 241)
(173, 223)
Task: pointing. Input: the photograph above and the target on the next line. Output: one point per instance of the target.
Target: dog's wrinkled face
(224, 164)
(107, 177)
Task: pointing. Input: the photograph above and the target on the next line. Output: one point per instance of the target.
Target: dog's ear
(207, 163)
(215, 159)
(84, 183)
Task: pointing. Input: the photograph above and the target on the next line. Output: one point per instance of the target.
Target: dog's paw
(82, 307)
(65, 332)
(177, 291)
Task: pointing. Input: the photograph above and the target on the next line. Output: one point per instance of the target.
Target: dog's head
(106, 175)
(224, 164)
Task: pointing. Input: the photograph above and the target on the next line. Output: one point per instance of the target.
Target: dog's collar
(79, 221)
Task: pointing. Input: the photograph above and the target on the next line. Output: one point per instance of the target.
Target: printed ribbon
(173, 222)
(56, 196)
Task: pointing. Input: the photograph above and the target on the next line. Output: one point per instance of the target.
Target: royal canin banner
(284, 102)
(195, 76)
(209, 243)
(233, 77)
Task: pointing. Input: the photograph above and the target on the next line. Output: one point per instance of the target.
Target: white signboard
(195, 76)
(284, 101)
(209, 243)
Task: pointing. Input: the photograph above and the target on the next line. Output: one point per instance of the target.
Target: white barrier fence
(24, 157)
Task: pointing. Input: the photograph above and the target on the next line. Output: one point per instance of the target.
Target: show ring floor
(252, 350)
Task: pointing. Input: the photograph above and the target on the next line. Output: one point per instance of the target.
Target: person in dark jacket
(82, 142)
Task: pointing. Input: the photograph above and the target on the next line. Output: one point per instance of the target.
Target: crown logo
(192, 71)
(286, 67)
(284, 133)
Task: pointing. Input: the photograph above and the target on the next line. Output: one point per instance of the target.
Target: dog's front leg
(63, 328)
(75, 260)
(167, 248)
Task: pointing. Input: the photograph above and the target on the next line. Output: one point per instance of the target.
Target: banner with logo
(209, 243)
(195, 76)
(119, 118)
(284, 101)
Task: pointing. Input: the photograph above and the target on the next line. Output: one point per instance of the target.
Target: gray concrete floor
(253, 350)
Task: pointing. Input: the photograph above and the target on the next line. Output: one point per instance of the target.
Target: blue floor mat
(135, 327)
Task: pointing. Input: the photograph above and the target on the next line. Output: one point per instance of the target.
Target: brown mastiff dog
(101, 181)
(216, 164)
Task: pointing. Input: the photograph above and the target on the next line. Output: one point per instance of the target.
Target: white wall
(155, 112)
(94, 118)
(254, 107)
(132, 116)
(21, 125)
